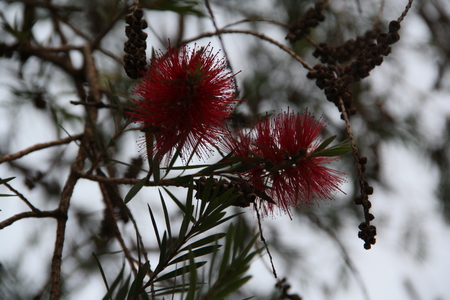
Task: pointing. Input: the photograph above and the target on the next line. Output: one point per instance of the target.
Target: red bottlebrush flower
(282, 160)
(184, 99)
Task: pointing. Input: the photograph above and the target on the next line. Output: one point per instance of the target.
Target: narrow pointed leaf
(204, 241)
(105, 281)
(166, 215)
(135, 189)
(325, 143)
(155, 226)
(137, 283)
(178, 272)
(123, 291)
(192, 277)
(196, 253)
(5, 180)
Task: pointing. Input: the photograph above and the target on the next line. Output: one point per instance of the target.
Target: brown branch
(213, 19)
(49, 5)
(87, 38)
(129, 181)
(22, 197)
(96, 105)
(117, 234)
(66, 195)
(257, 34)
(353, 145)
(37, 147)
(28, 214)
(102, 154)
(405, 11)
(261, 236)
(257, 20)
(96, 42)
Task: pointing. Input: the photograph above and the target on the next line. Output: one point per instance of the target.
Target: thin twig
(348, 260)
(129, 181)
(102, 154)
(274, 272)
(22, 197)
(257, 20)
(37, 147)
(28, 214)
(353, 145)
(112, 215)
(257, 34)
(405, 12)
(96, 105)
(66, 195)
(213, 19)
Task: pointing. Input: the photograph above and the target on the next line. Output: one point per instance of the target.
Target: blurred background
(402, 125)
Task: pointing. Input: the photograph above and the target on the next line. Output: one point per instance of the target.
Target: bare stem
(28, 214)
(353, 145)
(66, 195)
(274, 272)
(37, 147)
(22, 197)
(257, 34)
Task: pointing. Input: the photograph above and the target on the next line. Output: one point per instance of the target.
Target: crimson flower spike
(285, 160)
(183, 101)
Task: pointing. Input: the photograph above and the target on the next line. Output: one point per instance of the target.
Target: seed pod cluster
(303, 26)
(135, 58)
(244, 190)
(366, 51)
(367, 231)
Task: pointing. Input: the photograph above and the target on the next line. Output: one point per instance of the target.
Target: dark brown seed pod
(393, 37)
(138, 13)
(394, 26)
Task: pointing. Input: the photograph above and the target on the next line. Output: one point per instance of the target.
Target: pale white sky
(407, 206)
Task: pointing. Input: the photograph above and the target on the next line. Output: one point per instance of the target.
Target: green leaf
(337, 150)
(242, 168)
(110, 290)
(227, 251)
(105, 281)
(218, 223)
(196, 253)
(137, 283)
(188, 213)
(233, 285)
(171, 163)
(3, 181)
(156, 171)
(135, 189)
(192, 277)
(163, 252)
(224, 162)
(174, 199)
(204, 241)
(155, 226)
(325, 143)
(172, 289)
(179, 271)
(123, 291)
(166, 215)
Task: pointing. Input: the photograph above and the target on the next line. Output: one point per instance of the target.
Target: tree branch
(37, 147)
(85, 148)
(28, 214)
(257, 34)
